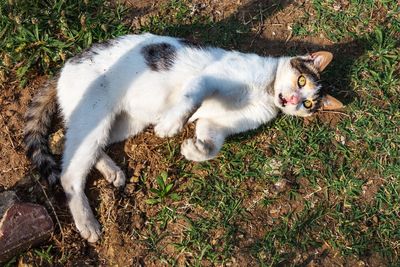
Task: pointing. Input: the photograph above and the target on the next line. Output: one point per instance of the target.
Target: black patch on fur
(190, 43)
(304, 67)
(85, 55)
(90, 52)
(159, 56)
(317, 103)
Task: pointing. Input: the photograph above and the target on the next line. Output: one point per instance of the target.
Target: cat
(116, 89)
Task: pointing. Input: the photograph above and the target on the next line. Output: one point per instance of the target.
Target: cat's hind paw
(89, 228)
(111, 172)
(198, 150)
(116, 177)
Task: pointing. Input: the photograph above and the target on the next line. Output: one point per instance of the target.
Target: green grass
(338, 160)
(38, 36)
(330, 166)
(176, 18)
(45, 255)
(163, 191)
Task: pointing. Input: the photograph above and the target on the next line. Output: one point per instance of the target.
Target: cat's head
(297, 88)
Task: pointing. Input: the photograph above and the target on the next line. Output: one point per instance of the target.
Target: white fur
(114, 95)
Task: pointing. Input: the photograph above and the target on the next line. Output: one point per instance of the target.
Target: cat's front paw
(89, 228)
(168, 127)
(198, 150)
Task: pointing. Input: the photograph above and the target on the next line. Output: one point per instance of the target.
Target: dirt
(13, 103)
(124, 214)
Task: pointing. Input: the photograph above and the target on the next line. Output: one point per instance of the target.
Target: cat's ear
(331, 103)
(321, 59)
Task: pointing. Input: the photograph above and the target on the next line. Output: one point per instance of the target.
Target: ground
(321, 191)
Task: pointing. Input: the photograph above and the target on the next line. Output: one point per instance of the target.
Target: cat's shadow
(337, 77)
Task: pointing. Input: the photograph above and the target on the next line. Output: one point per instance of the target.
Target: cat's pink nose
(294, 99)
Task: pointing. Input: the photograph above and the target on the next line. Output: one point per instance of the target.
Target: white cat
(116, 89)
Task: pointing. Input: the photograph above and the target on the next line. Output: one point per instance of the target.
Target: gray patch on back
(90, 52)
(190, 43)
(159, 56)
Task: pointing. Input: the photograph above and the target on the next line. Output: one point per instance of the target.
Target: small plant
(163, 191)
(11, 262)
(45, 254)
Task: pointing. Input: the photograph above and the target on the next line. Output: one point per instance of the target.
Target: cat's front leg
(208, 142)
(174, 119)
(193, 94)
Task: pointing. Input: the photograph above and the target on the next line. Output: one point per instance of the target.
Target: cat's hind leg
(111, 172)
(123, 127)
(85, 137)
(209, 139)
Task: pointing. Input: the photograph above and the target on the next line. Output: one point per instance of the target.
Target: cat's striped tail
(38, 122)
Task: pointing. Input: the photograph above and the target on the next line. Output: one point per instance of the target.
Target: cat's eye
(301, 81)
(307, 104)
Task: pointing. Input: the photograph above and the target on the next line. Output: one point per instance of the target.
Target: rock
(7, 199)
(22, 225)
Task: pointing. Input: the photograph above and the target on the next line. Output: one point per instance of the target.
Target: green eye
(307, 104)
(301, 81)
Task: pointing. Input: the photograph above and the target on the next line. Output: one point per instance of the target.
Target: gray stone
(7, 198)
(22, 225)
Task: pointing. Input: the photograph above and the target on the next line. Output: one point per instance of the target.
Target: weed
(163, 191)
(45, 254)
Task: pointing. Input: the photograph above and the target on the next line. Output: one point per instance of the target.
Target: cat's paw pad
(115, 177)
(89, 229)
(168, 127)
(197, 150)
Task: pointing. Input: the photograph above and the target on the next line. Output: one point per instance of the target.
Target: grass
(38, 36)
(163, 191)
(177, 18)
(45, 255)
(340, 201)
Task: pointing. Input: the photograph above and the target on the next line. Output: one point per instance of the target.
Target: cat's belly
(148, 99)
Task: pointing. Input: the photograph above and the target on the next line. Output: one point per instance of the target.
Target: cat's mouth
(294, 100)
(282, 100)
